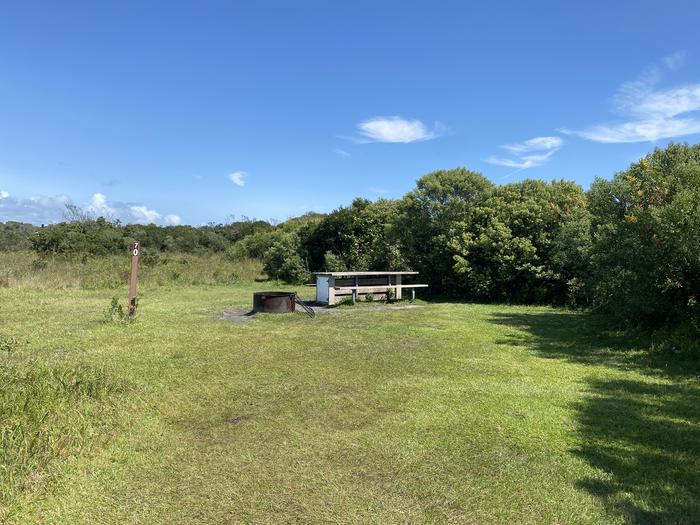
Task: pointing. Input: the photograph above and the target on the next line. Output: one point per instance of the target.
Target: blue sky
(189, 112)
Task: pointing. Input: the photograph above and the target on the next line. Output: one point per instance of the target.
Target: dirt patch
(234, 420)
(237, 316)
(245, 316)
(329, 310)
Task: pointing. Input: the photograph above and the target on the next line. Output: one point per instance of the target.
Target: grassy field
(24, 269)
(447, 413)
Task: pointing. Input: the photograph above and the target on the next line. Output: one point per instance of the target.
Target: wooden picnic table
(332, 287)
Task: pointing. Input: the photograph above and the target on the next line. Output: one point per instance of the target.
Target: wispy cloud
(652, 113)
(238, 178)
(536, 144)
(675, 61)
(395, 129)
(341, 152)
(45, 210)
(528, 154)
(379, 191)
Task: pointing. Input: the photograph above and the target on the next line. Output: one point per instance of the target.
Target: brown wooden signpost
(135, 250)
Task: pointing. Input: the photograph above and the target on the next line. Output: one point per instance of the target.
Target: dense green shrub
(645, 256)
(99, 236)
(432, 215)
(15, 236)
(505, 247)
(283, 262)
(254, 246)
(359, 237)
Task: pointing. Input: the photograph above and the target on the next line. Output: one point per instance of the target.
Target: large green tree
(427, 219)
(645, 257)
(358, 237)
(509, 247)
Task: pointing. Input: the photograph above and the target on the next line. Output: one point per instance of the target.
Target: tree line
(85, 235)
(629, 246)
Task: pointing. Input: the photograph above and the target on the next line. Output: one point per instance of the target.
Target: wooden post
(398, 287)
(135, 250)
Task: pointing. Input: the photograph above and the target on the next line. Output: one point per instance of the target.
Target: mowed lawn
(446, 413)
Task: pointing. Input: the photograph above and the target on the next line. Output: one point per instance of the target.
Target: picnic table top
(358, 274)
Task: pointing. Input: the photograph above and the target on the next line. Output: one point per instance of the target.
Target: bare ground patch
(377, 308)
(237, 316)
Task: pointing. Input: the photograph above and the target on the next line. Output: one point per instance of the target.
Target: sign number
(135, 248)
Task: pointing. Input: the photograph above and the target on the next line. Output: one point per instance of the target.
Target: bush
(115, 312)
(333, 263)
(255, 246)
(282, 261)
(645, 255)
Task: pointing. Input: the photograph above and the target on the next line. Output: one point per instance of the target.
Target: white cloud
(98, 206)
(653, 113)
(395, 129)
(528, 154)
(238, 178)
(138, 213)
(142, 214)
(35, 210)
(341, 152)
(172, 220)
(46, 210)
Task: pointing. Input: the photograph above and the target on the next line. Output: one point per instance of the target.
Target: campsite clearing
(447, 413)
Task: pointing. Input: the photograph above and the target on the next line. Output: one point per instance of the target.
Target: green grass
(448, 413)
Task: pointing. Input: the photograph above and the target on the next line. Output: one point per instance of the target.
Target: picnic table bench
(332, 287)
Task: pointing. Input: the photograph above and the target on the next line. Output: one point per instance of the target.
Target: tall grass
(27, 269)
(47, 412)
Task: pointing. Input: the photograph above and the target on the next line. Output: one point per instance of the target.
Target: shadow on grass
(643, 436)
(589, 339)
